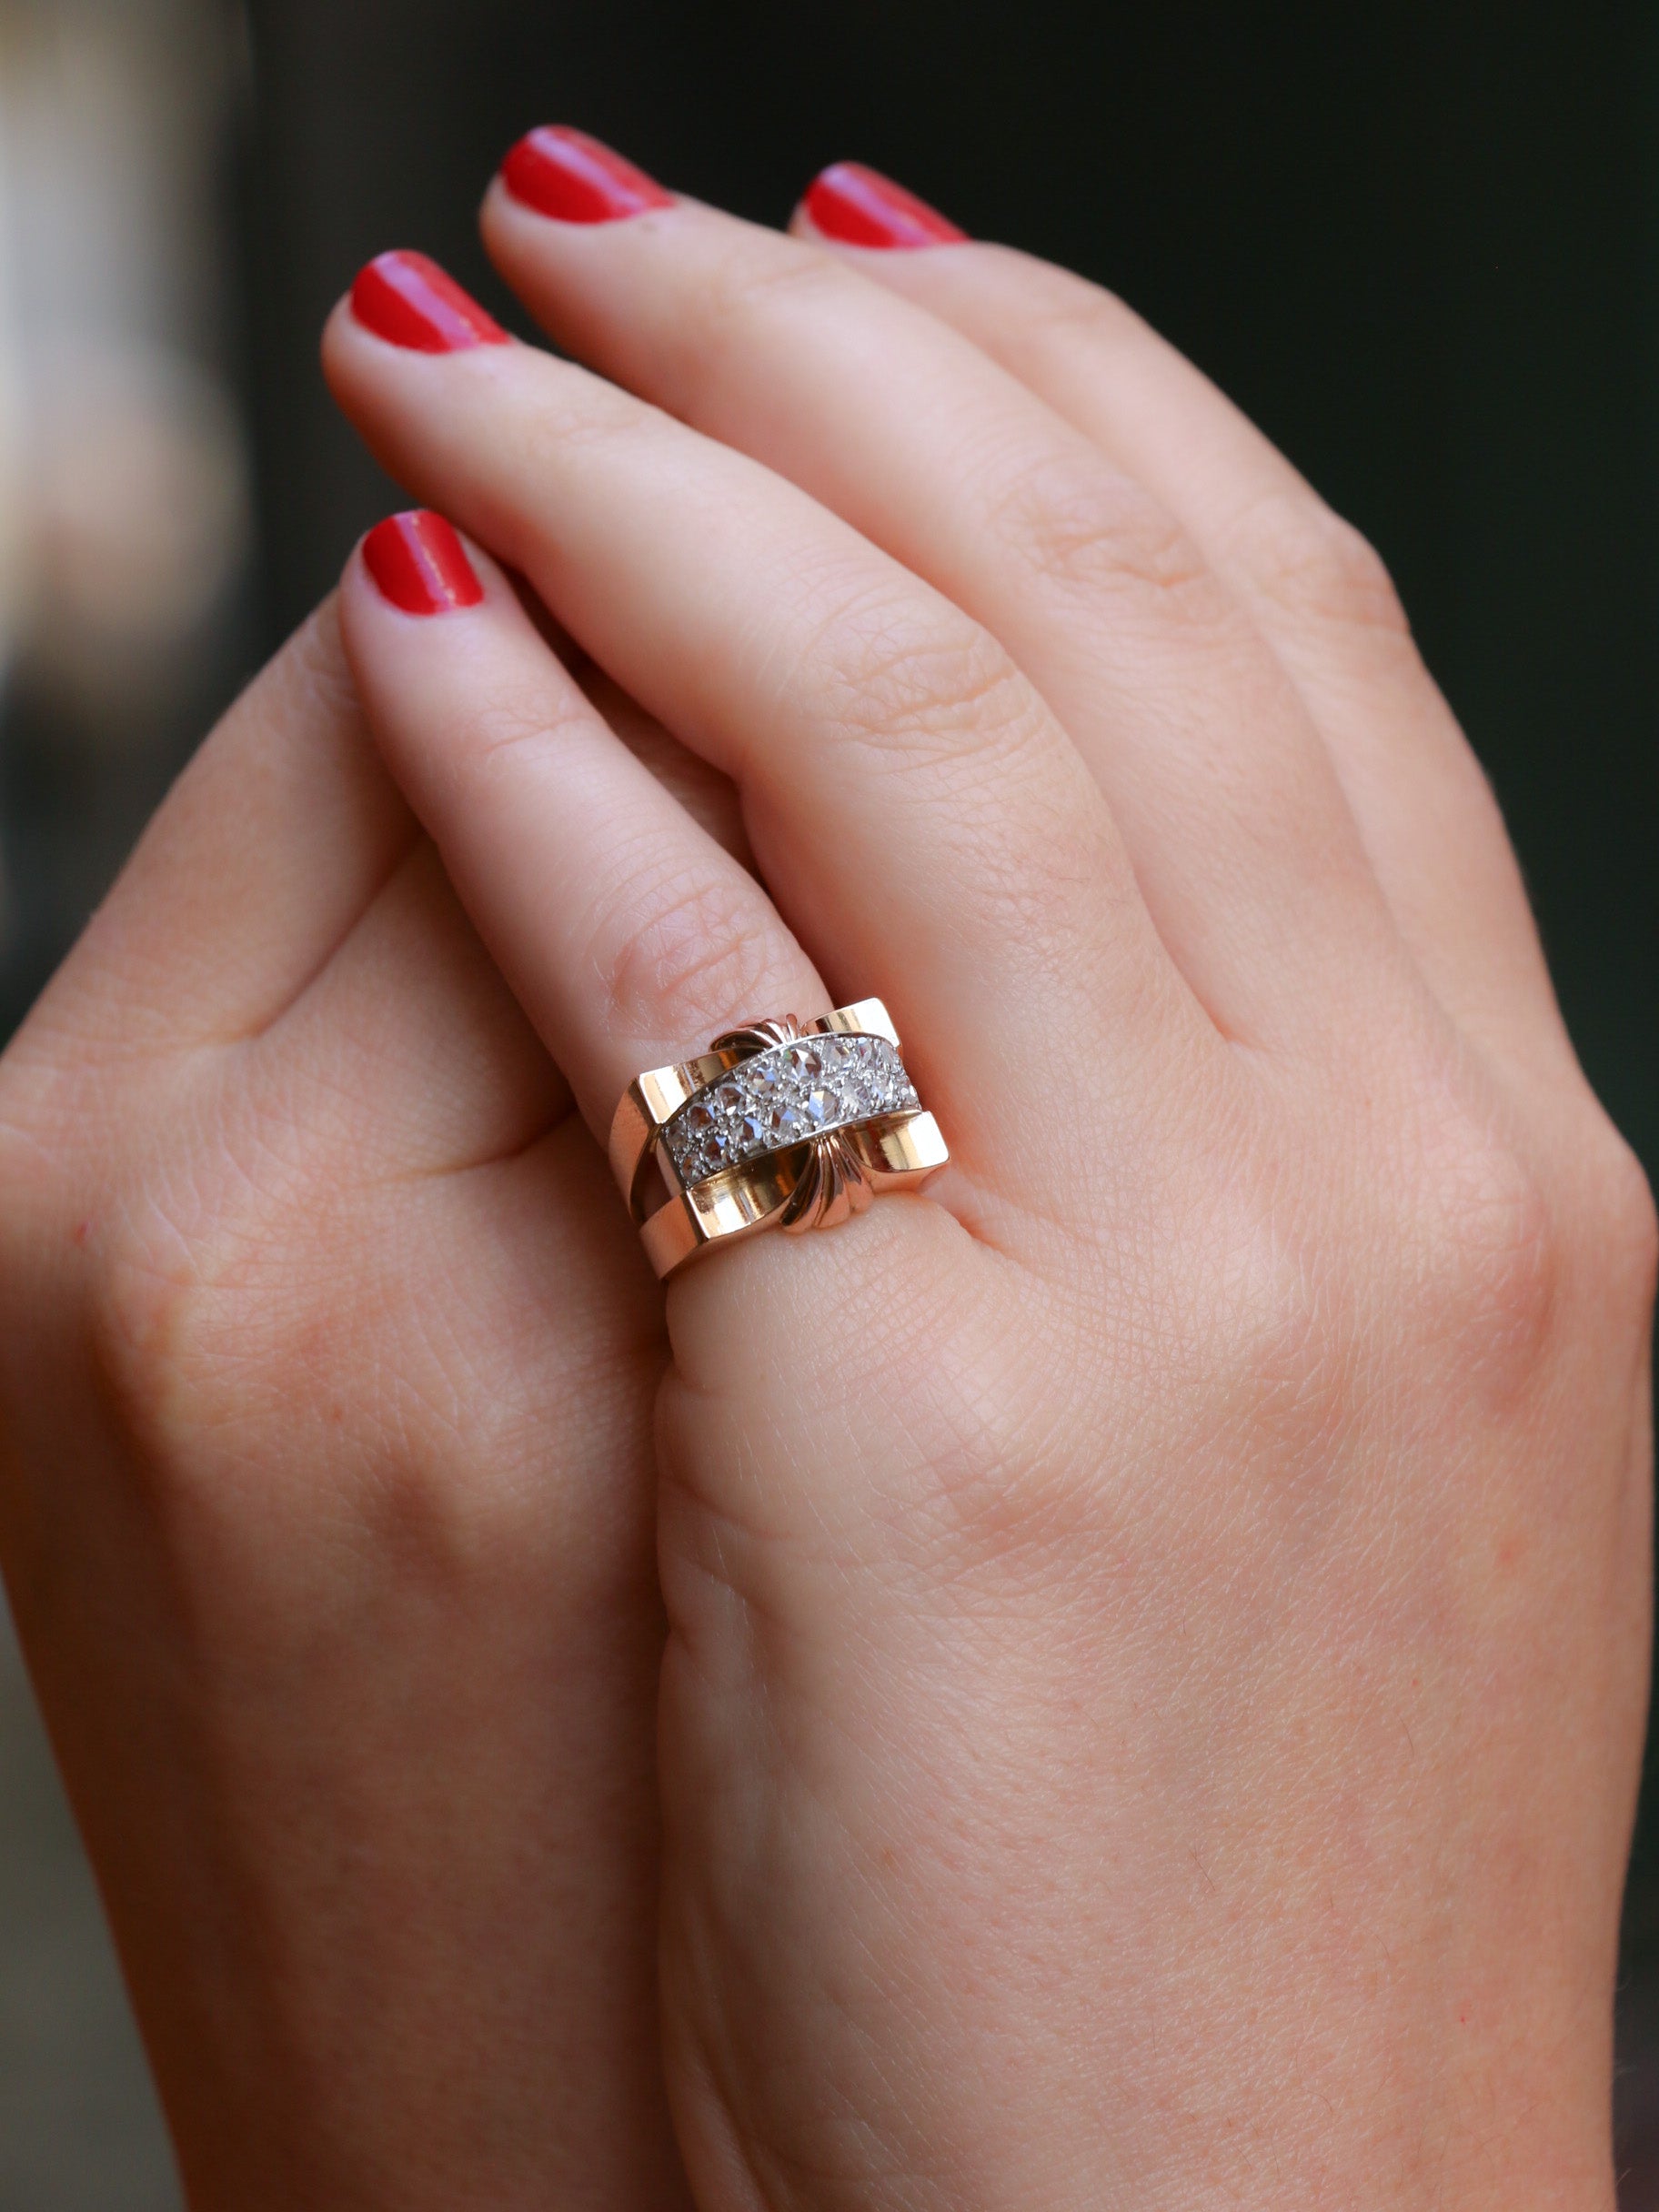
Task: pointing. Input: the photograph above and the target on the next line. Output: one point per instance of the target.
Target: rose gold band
(772, 1127)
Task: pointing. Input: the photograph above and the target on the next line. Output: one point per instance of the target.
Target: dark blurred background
(1420, 243)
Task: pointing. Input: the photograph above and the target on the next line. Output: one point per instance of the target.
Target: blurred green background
(1420, 244)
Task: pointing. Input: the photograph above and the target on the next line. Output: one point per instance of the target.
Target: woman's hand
(327, 1512)
(1157, 1629)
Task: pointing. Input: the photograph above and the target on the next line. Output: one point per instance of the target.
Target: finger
(707, 796)
(1312, 586)
(929, 830)
(629, 935)
(273, 842)
(1241, 840)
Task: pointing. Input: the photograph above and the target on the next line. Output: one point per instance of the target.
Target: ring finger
(624, 928)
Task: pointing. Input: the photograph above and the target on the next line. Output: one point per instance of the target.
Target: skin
(1155, 1630)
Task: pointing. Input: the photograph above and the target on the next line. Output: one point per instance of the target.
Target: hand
(1157, 1629)
(328, 1506)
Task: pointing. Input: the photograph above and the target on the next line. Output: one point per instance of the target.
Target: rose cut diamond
(783, 1096)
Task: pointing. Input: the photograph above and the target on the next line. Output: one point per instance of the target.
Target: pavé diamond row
(781, 1097)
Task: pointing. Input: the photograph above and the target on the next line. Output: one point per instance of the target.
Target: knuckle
(1619, 1223)
(1081, 525)
(1503, 1263)
(62, 1108)
(242, 1350)
(689, 957)
(509, 734)
(1317, 567)
(926, 694)
(213, 1304)
(920, 680)
(984, 1480)
(154, 1331)
(1452, 1262)
(1271, 1334)
(1479, 1259)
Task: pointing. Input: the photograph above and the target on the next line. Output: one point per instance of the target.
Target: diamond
(783, 1096)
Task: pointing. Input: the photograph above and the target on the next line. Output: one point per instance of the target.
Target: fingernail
(419, 564)
(408, 300)
(859, 206)
(572, 177)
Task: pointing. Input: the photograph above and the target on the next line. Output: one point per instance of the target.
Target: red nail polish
(409, 301)
(859, 206)
(419, 564)
(572, 177)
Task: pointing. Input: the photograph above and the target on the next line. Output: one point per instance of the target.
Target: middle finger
(923, 823)
(1242, 838)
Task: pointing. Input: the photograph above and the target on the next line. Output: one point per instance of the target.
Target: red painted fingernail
(409, 301)
(572, 177)
(420, 565)
(859, 206)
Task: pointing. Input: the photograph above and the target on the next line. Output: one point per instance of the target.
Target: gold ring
(779, 1125)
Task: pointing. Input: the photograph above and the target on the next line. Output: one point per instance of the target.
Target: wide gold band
(770, 1129)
